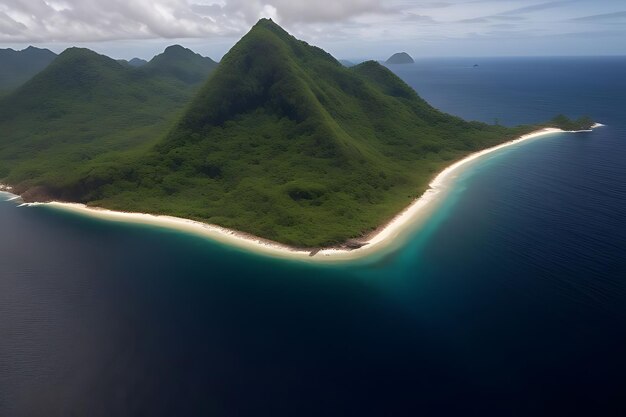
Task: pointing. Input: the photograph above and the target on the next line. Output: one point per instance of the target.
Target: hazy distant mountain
(181, 63)
(346, 63)
(137, 62)
(17, 67)
(400, 58)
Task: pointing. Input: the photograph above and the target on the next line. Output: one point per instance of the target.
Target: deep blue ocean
(509, 301)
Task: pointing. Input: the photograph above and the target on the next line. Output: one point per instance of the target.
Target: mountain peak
(75, 69)
(266, 21)
(269, 24)
(178, 52)
(137, 62)
(182, 63)
(268, 68)
(268, 34)
(177, 49)
(75, 50)
(83, 55)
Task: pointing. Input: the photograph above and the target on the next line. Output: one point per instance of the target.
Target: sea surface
(509, 301)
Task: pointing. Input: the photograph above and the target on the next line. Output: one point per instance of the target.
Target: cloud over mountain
(360, 26)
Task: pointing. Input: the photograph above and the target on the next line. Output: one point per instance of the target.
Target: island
(400, 58)
(279, 144)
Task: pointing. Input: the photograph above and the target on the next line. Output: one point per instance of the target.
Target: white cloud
(94, 20)
(9, 26)
(342, 26)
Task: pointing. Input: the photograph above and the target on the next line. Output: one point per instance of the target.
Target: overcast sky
(346, 28)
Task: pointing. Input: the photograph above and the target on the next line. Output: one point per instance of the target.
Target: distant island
(400, 58)
(279, 140)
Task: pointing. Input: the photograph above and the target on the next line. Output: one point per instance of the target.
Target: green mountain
(17, 67)
(282, 141)
(400, 58)
(83, 110)
(286, 143)
(180, 63)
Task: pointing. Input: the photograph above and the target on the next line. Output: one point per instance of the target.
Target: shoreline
(381, 238)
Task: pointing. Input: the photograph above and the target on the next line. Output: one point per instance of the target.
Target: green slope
(83, 111)
(17, 67)
(286, 143)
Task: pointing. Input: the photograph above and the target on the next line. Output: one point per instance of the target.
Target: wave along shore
(381, 238)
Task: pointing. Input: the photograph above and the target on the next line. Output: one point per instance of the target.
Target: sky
(372, 29)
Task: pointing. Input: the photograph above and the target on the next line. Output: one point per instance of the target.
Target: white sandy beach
(382, 238)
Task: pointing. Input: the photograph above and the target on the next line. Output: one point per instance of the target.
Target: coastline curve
(382, 238)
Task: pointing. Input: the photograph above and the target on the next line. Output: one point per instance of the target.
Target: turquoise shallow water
(510, 300)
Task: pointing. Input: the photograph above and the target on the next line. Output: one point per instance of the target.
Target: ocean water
(510, 300)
